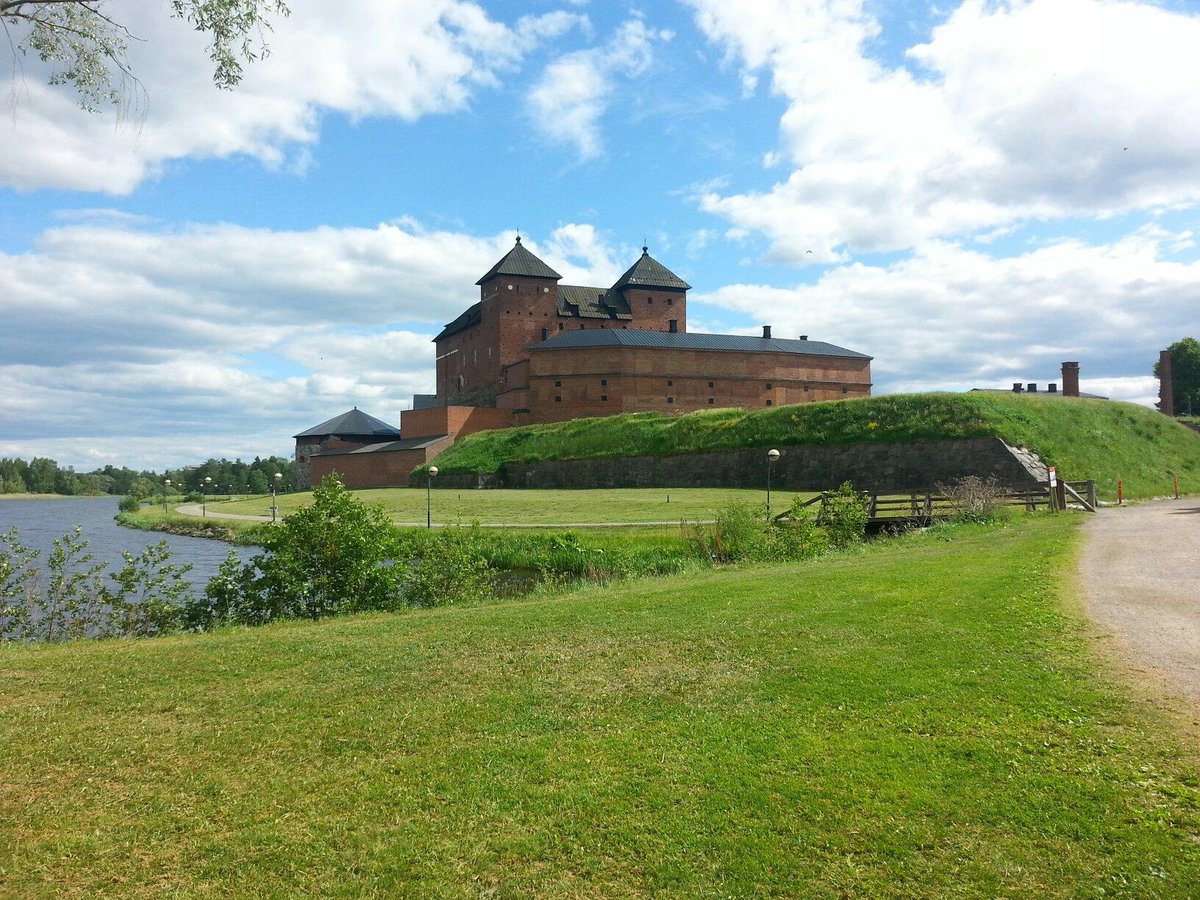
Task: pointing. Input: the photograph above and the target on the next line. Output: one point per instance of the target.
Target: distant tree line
(45, 476)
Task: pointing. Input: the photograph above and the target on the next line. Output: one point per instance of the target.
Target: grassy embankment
(1084, 438)
(925, 717)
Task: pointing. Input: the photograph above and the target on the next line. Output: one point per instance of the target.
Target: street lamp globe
(433, 470)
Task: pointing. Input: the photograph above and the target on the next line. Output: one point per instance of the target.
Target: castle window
(770, 403)
(806, 388)
(710, 384)
(670, 384)
(769, 385)
(649, 300)
(560, 326)
(558, 384)
(670, 301)
(710, 401)
(604, 398)
(603, 382)
(670, 399)
(845, 390)
(558, 399)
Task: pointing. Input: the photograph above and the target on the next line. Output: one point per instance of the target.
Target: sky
(971, 193)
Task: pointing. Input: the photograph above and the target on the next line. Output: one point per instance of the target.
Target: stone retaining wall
(884, 468)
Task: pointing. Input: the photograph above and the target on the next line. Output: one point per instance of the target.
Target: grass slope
(923, 719)
(1084, 438)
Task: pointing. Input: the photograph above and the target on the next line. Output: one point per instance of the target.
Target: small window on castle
(604, 382)
(649, 301)
(558, 399)
(604, 398)
(558, 384)
(710, 384)
(710, 401)
(670, 301)
(560, 326)
(845, 390)
(581, 326)
(670, 399)
(769, 385)
(770, 403)
(806, 389)
(670, 384)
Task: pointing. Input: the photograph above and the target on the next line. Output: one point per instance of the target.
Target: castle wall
(382, 468)
(451, 420)
(580, 382)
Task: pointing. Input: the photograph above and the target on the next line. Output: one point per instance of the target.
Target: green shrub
(447, 567)
(129, 504)
(843, 516)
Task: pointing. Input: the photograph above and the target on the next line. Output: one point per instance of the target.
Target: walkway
(193, 509)
(1141, 578)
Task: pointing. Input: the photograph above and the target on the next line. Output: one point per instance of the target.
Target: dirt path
(1141, 578)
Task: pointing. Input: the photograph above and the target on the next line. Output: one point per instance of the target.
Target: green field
(925, 717)
(533, 507)
(1084, 438)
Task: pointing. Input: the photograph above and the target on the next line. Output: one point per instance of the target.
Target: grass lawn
(533, 507)
(924, 718)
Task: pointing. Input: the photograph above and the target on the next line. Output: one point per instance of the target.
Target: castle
(533, 350)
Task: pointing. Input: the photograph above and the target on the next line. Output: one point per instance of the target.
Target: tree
(87, 47)
(1185, 375)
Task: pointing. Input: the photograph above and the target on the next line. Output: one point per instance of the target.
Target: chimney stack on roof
(804, 337)
(766, 331)
(1016, 387)
(1070, 379)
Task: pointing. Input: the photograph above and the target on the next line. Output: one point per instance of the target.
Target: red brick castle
(535, 350)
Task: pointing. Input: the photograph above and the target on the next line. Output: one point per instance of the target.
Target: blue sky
(971, 193)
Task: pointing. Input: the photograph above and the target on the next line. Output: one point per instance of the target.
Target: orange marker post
(1120, 492)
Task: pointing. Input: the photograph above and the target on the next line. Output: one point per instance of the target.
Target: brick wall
(602, 381)
(451, 420)
(389, 468)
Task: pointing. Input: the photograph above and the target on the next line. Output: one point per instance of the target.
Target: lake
(41, 521)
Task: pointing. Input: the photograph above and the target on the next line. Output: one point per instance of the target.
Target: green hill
(924, 718)
(1099, 439)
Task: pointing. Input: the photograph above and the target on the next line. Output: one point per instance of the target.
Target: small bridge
(886, 511)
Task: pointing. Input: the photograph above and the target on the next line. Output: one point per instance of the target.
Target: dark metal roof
(385, 446)
(648, 272)
(1024, 393)
(666, 340)
(592, 302)
(519, 261)
(354, 423)
(465, 320)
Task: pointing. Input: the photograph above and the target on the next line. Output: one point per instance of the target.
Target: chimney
(804, 337)
(1070, 379)
(1052, 387)
(1031, 387)
(673, 326)
(766, 331)
(1166, 384)
(1016, 387)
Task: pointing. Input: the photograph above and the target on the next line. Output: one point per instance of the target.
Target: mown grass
(1085, 438)
(923, 718)
(535, 507)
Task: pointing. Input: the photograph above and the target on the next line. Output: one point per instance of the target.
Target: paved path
(1141, 578)
(194, 509)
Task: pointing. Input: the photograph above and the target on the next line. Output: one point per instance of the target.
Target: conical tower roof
(356, 423)
(648, 272)
(519, 261)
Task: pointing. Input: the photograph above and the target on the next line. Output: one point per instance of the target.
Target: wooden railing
(926, 507)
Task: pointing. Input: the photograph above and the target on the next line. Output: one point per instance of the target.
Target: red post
(1120, 492)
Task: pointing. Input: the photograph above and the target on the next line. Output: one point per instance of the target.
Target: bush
(447, 567)
(129, 504)
(73, 600)
(843, 516)
(974, 499)
(740, 534)
(335, 556)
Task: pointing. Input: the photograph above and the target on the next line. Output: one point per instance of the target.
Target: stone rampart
(883, 468)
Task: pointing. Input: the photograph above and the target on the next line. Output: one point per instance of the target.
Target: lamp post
(274, 487)
(772, 457)
(166, 484)
(204, 495)
(433, 470)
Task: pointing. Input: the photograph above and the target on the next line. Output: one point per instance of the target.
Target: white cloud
(1043, 109)
(574, 92)
(951, 318)
(358, 58)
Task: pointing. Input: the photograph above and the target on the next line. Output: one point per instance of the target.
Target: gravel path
(1141, 578)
